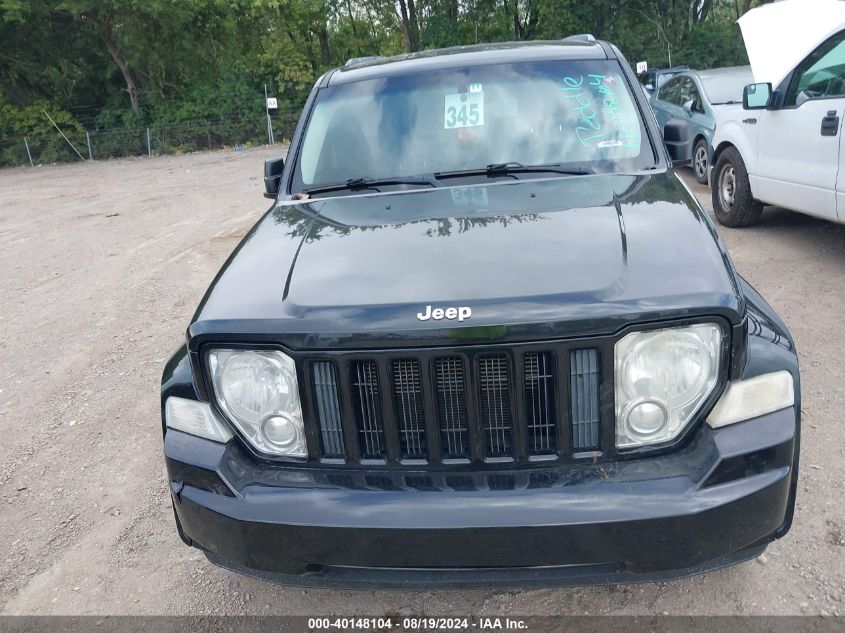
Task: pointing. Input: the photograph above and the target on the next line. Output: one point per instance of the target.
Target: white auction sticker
(463, 109)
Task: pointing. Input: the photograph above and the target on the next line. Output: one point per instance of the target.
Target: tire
(733, 204)
(700, 161)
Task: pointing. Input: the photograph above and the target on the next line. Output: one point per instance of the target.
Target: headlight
(258, 392)
(662, 378)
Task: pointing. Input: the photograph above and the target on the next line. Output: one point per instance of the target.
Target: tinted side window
(686, 91)
(821, 75)
(695, 95)
(669, 91)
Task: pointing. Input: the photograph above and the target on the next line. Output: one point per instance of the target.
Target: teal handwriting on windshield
(600, 123)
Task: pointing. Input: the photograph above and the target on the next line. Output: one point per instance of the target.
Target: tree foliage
(110, 63)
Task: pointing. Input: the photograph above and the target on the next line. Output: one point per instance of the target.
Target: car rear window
(564, 112)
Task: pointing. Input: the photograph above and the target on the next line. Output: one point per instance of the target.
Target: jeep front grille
(467, 405)
(328, 408)
(451, 407)
(410, 419)
(367, 396)
(495, 405)
(584, 371)
(540, 420)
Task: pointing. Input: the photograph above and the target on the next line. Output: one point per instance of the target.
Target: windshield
(726, 88)
(576, 114)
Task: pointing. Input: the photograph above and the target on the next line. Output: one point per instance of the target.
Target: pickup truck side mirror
(676, 138)
(272, 175)
(756, 96)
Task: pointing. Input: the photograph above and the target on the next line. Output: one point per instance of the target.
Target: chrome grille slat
(450, 388)
(370, 423)
(407, 393)
(584, 398)
(540, 417)
(495, 407)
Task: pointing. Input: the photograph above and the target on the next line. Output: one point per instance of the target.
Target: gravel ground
(103, 265)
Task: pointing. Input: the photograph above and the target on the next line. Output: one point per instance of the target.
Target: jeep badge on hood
(460, 313)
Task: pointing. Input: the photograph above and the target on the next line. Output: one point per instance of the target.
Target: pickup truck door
(799, 144)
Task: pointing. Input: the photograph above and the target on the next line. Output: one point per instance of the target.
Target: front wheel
(733, 204)
(700, 164)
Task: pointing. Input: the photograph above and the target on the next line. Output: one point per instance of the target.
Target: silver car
(694, 96)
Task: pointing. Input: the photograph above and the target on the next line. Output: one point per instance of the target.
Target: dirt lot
(102, 265)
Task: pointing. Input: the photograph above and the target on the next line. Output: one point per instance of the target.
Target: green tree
(115, 63)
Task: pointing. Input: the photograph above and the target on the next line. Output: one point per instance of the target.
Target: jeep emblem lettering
(460, 313)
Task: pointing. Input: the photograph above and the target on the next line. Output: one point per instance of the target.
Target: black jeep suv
(485, 335)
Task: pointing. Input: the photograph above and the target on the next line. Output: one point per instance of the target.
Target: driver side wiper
(505, 169)
(371, 183)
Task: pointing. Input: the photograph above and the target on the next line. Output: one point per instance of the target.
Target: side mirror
(676, 139)
(272, 175)
(689, 106)
(757, 96)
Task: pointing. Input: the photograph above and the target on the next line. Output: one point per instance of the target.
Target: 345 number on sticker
(464, 109)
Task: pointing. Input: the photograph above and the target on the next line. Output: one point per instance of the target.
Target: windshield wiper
(492, 170)
(371, 183)
(506, 169)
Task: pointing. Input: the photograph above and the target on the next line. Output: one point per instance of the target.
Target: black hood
(532, 259)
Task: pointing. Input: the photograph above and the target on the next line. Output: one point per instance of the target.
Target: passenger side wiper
(505, 169)
(371, 183)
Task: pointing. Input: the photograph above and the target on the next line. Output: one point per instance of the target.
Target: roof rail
(354, 61)
(580, 37)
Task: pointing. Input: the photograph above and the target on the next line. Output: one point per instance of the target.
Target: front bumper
(717, 501)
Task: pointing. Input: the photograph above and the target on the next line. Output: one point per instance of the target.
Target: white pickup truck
(784, 146)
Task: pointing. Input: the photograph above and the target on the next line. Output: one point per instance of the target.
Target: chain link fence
(173, 138)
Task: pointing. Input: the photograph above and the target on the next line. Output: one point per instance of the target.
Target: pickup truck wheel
(733, 203)
(700, 164)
